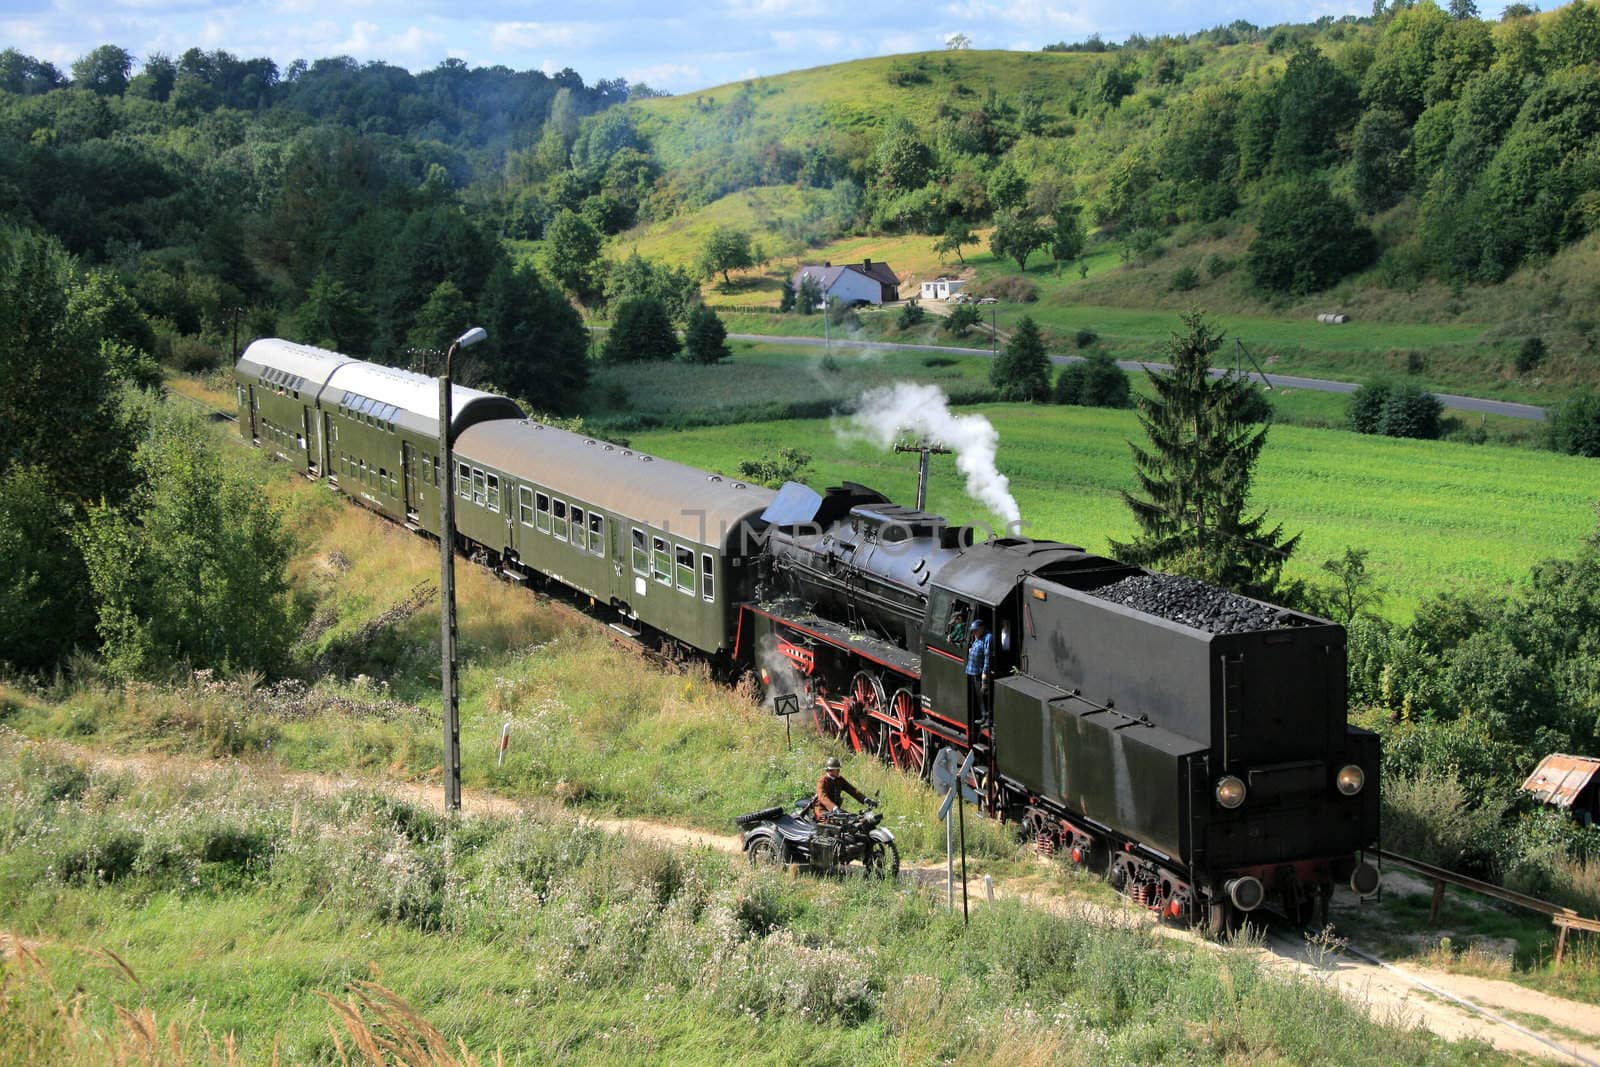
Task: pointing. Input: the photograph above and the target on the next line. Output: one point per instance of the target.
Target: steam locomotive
(1205, 770)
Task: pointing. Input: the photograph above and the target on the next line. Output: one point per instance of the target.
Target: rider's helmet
(832, 764)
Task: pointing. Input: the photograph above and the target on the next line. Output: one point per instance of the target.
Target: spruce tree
(1195, 476)
(1022, 370)
(705, 339)
(641, 332)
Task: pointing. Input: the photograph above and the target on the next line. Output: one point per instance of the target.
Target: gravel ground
(1194, 603)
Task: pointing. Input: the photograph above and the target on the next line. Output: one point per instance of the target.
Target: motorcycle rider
(831, 788)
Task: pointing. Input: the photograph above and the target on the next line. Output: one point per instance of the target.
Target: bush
(961, 319)
(911, 315)
(1096, 381)
(1575, 426)
(1083, 338)
(1431, 817)
(1396, 411)
(1217, 265)
(193, 356)
(1412, 412)
(1185, 279)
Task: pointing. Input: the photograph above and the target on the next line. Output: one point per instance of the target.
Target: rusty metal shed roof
(1560, 779)
(693, 504)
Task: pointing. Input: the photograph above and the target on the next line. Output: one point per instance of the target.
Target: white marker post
(505, 743)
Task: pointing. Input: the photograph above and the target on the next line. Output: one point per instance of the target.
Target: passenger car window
(660, 561)
(685, 562)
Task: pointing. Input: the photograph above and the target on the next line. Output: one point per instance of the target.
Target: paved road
(1290, 381)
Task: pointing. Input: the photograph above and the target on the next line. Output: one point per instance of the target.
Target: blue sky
(676, 48)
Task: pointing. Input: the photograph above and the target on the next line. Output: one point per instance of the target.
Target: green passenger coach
(667, 545)
(380, 433)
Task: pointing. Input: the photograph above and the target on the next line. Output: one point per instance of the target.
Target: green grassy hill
(1173, 150)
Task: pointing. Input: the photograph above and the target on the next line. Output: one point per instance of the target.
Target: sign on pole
(786, 705)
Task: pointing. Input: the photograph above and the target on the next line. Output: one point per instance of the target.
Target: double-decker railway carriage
(1200, 759)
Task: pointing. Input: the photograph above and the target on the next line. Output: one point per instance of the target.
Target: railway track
(1360, 974)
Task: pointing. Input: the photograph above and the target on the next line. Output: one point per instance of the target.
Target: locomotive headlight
(1351, 779)
(1230, 791)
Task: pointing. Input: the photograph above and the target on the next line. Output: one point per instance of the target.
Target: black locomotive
(1205, 767)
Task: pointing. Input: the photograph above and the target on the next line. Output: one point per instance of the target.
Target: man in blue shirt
(978, 669)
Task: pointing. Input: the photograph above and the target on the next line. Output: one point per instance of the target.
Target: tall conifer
(1205, 435)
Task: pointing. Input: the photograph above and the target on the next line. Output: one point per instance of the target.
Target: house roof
(826, 275)
(1559, 779)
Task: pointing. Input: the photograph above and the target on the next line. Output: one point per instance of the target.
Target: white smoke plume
(883, 415)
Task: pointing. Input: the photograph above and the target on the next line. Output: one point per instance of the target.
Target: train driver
(831, 788)
(979, 668)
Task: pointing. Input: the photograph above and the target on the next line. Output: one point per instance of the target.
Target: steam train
(1206, 772)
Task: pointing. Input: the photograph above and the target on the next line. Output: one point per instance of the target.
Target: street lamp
(447, 578)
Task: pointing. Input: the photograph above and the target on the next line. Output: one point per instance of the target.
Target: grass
(1435, 516)
(226, 916)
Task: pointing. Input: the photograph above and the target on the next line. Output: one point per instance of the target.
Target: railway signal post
(447, 580)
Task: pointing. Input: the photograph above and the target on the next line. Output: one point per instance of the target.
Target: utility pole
(994, 332)
(926, 449)
(447, 578)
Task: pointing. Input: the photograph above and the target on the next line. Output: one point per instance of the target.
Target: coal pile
(1194, 603)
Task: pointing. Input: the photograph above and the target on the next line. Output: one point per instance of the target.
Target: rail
(1564, 919)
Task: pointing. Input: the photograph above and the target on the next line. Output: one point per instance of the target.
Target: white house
(865, 282)
(942, 288)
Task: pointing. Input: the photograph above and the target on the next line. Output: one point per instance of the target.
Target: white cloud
(802, 42)
(765, 9)
(891, 43)
(505, 36)
(673, 77)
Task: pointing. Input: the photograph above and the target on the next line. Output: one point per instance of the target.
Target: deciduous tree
(572, 247)
(537, 348)
(726, 249)
(1016, 237)
(1306, 240)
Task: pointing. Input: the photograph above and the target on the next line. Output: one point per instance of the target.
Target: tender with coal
(1193, 603)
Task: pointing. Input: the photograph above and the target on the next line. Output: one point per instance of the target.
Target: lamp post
(447, 579)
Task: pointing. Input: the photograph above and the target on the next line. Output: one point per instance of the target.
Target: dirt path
(1513, 1019)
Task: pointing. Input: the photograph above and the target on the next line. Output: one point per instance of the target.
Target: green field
(1435, 516)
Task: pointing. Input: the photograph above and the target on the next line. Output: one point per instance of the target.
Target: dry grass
(385, 1029)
